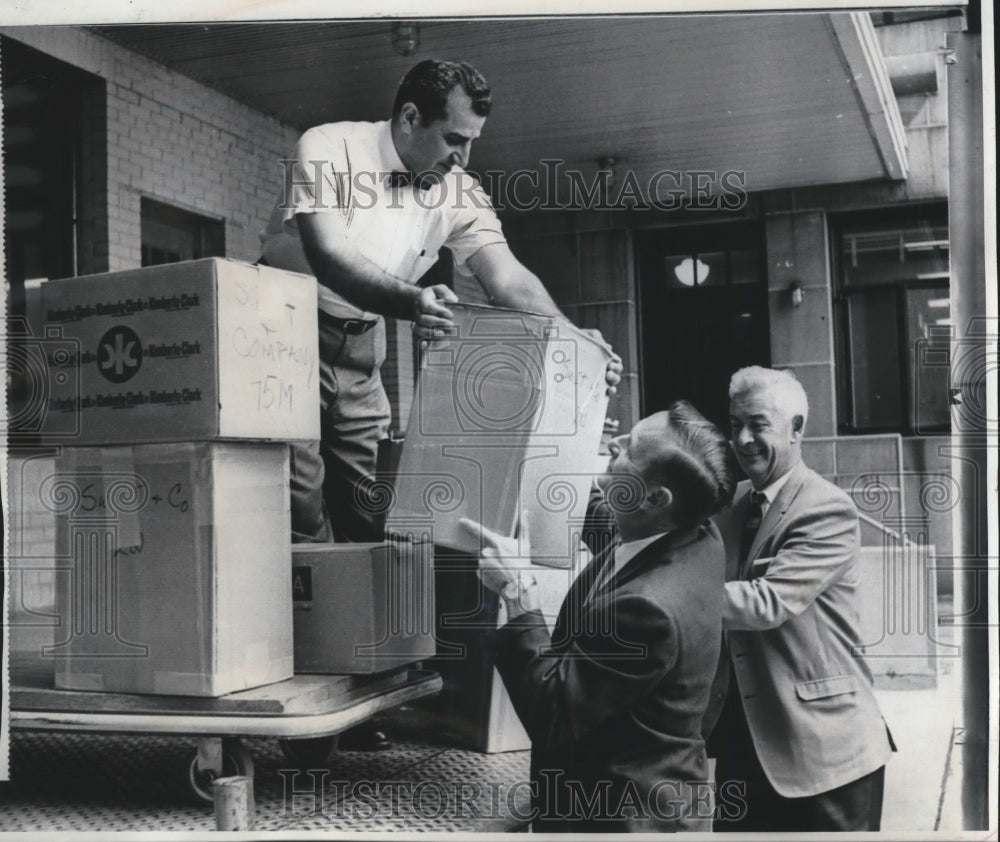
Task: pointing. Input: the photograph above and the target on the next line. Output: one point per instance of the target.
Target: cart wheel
(310, 753)
(236, 760)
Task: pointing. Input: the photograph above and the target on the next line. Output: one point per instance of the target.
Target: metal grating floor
(82, 782)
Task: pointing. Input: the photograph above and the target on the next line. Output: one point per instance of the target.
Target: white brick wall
(174, 140)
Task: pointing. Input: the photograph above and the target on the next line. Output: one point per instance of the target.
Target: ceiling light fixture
(405, 37)
(796, 293)
(606, 164)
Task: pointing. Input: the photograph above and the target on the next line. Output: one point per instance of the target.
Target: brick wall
(585, 261)
(171, 139)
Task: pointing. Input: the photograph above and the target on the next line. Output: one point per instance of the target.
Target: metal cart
(305, 713)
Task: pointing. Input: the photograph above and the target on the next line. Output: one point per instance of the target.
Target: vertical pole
(975, 342)
(234, 803)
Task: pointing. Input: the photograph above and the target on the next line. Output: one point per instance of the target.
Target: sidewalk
(923, 780)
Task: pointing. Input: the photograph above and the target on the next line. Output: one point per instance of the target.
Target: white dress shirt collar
(388, 156)
(771, 491)
(626, 552)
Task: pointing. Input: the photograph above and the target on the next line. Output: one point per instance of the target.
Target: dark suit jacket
(613, 701)
(792, 629)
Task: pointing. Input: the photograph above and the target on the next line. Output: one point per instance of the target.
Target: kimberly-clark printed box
(207, 349)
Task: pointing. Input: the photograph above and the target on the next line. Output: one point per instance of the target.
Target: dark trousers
(854, 806)
(332, 492)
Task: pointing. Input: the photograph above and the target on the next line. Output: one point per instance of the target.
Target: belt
(352, 327)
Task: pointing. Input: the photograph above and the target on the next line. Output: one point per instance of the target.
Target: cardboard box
(473, 707)
(362, 608)
(507, 415)
(175, 562)
(186, 351)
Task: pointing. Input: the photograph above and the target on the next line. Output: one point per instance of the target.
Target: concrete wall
(924, 113)
(167, 138)
(802, 337)
(585, 261)
(933, 494)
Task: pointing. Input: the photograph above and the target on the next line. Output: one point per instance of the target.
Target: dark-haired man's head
(672, 471)
(428, 84)
(440, 108)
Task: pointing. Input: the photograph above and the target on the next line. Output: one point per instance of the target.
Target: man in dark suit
(613, 699)
(800, 728)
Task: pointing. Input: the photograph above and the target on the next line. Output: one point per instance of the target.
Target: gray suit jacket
(791, 627)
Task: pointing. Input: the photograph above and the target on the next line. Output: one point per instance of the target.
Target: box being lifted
(508, 415)
(173, 567)
(201, 350)
(362, 608)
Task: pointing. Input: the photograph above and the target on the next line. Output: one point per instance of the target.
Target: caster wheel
(310, 753)
(236, 760)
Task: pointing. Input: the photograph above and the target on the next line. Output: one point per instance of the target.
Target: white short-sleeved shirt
(343, 169)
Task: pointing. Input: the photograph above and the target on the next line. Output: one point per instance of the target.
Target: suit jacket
(613, 700)
(791, 625)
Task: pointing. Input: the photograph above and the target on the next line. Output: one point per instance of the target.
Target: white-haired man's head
(767, 412)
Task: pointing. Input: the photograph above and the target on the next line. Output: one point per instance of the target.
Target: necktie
(755, 514)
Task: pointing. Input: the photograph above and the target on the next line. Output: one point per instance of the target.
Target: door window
(703, 312)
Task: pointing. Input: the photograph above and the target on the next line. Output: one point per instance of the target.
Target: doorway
(703, 312)
(54, 158)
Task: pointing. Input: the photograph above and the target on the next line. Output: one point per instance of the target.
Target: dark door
(703, 312)
(41, 113)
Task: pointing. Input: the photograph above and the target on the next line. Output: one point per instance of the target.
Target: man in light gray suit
(799, 727)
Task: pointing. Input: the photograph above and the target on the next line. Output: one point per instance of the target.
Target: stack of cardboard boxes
(173, 390)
